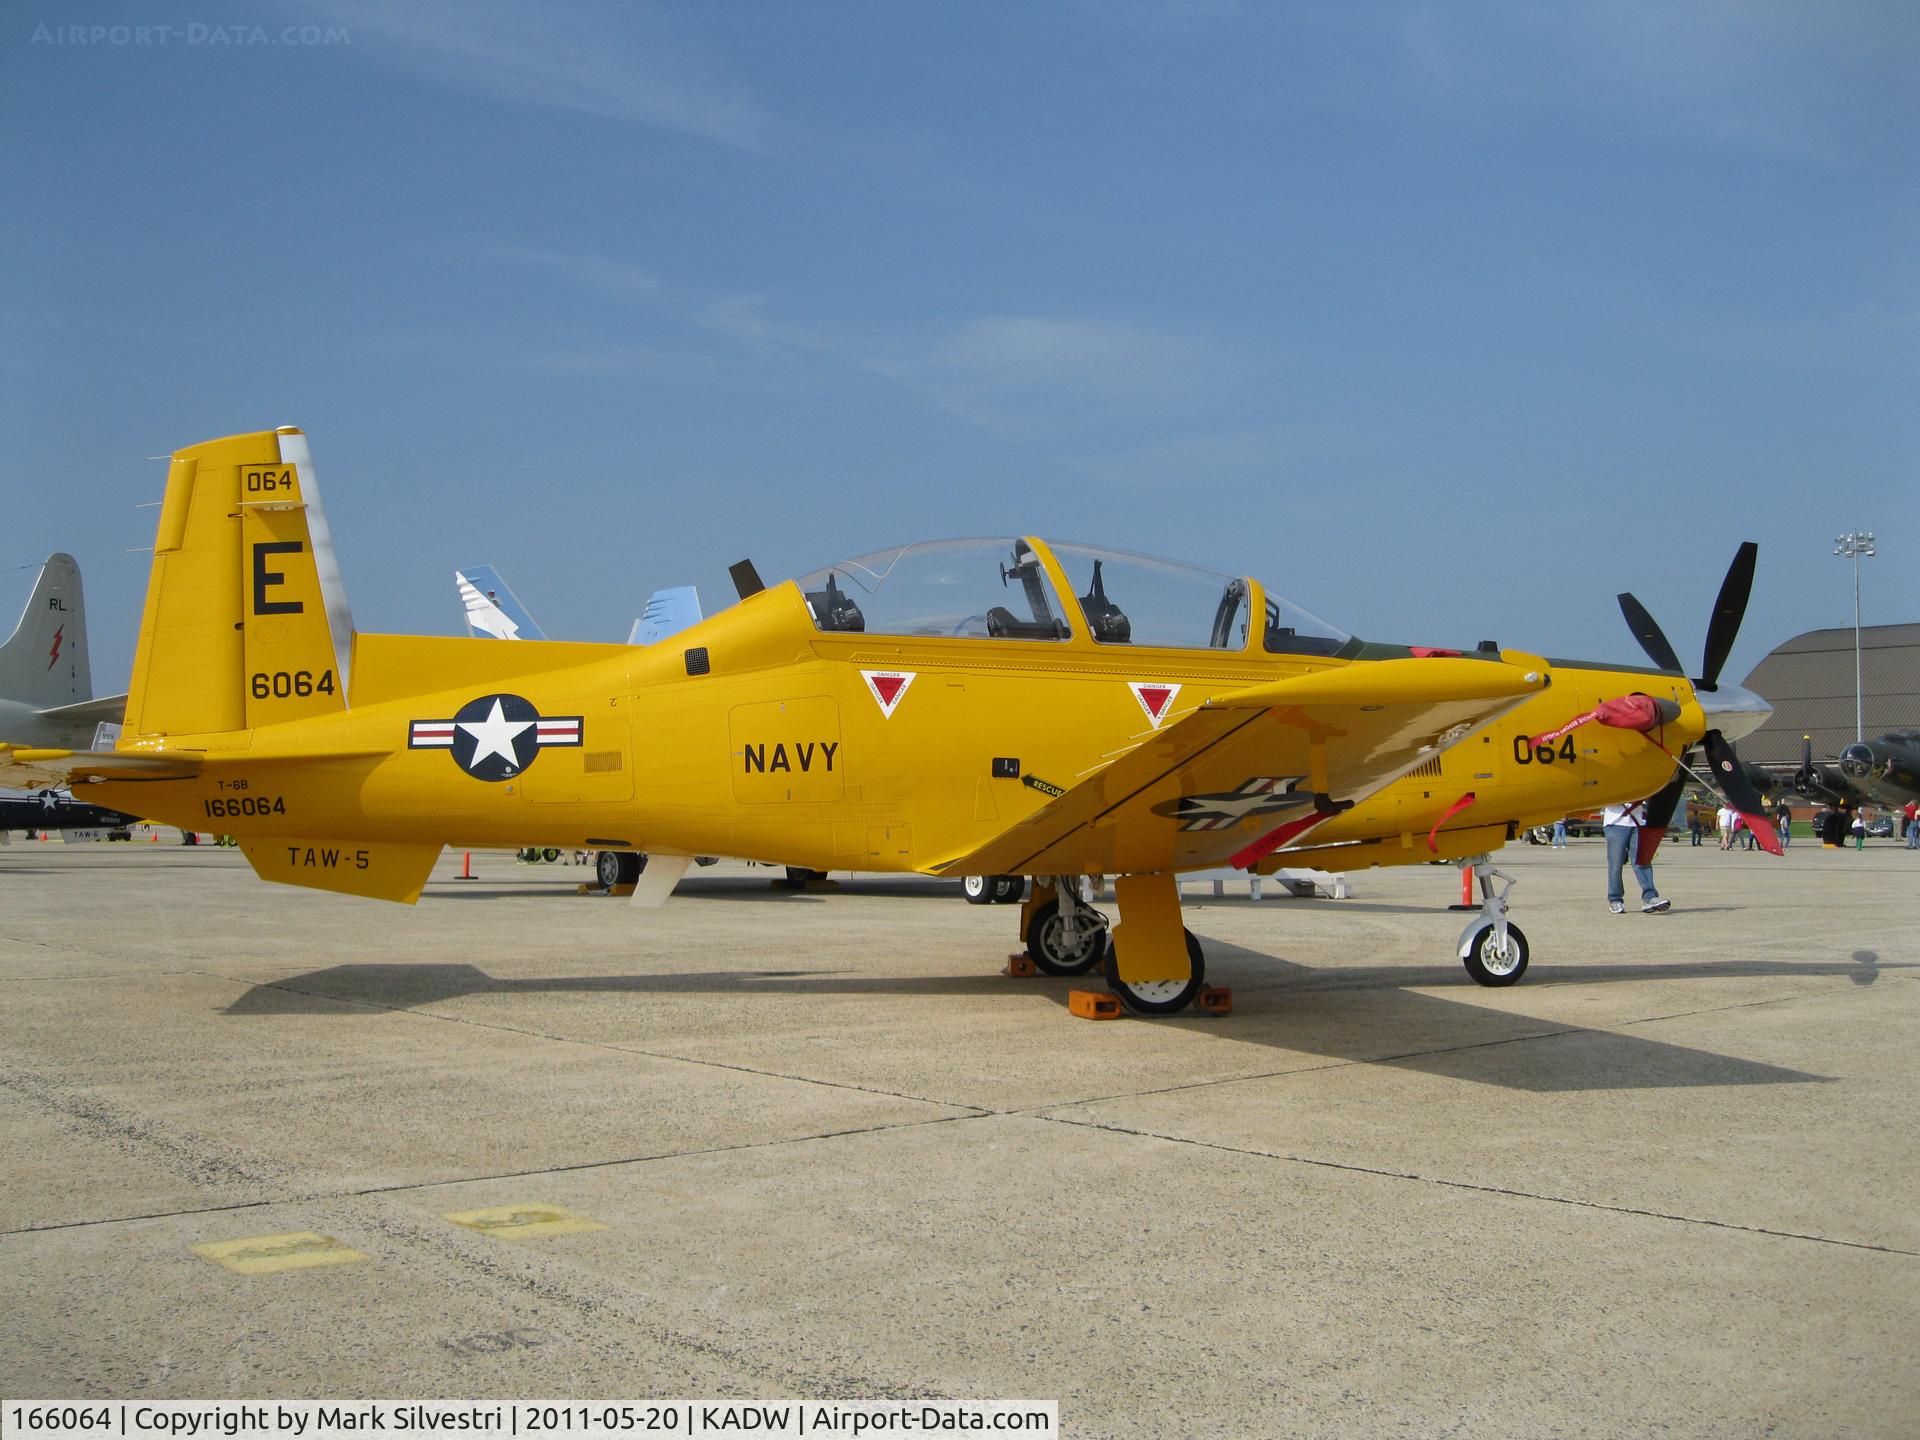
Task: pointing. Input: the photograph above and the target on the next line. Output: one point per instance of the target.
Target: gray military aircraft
(46, 682)
(1884, 771)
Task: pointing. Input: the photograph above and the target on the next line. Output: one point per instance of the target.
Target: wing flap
(1202, 790)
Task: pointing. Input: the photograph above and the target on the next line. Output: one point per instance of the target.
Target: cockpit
(1011, 589)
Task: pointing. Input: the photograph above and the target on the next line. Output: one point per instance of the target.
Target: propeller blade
(1648, 633)
(1732, 782)
(1728, 611)
(1660, 808)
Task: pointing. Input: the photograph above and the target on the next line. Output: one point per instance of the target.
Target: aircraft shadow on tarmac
(697, 888)
(1371, 1015)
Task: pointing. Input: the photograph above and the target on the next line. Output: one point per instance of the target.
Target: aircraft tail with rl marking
(45, 662)
(246, 622)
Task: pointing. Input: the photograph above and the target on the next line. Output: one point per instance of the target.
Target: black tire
(1008, 889)
(550, 855)
(1159, 997)
(617, 867)
(978, 889)
(1045, 945)
(1486, 965)
(798, 876)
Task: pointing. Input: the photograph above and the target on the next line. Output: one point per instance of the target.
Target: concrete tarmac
(763, 1143)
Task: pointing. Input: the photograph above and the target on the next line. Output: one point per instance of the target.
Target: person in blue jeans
(1560, 834)
(1623, 824)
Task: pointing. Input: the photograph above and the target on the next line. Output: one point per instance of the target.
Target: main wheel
(1051, 949)
(978, 889)
(799, 877)
(1008, 889)
(617, 867)
(1159, 997)
(1487, 964)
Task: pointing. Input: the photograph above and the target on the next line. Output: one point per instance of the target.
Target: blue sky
(1449, 321)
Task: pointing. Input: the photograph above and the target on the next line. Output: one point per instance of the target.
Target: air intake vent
(697, 662)
(1428, 771)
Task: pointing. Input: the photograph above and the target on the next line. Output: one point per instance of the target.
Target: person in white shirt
(1726, 817)
(1623, 824)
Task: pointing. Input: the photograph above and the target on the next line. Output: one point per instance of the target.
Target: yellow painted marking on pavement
(524, 1222)
(266, 1254)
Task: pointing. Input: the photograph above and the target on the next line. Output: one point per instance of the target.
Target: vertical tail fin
(45, 663)
(246, 621)
(492, 608)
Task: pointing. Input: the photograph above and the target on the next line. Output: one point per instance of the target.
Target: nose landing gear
(1493, 948)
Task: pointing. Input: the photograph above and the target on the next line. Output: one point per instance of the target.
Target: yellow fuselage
(783, 753)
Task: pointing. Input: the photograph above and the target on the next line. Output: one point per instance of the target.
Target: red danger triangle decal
(887, 687)
(1155, 697)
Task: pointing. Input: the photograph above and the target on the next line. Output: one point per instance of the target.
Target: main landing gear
(1493, 948)
(1152, 962)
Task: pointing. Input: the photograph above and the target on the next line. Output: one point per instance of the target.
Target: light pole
(1857, 545)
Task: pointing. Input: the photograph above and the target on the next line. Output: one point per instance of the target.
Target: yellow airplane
(977, 707)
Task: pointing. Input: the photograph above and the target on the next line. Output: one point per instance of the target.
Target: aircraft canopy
(1001, 589)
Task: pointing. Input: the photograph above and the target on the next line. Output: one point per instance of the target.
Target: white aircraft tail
(668, 612)
(45, 664)
(492, 608)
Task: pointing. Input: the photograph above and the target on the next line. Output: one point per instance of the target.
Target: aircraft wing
(111, 709)
(1253, 767)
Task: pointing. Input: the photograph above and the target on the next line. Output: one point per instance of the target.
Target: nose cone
(1735, 711)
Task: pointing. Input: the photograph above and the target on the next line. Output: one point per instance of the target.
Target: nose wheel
(1492, 947)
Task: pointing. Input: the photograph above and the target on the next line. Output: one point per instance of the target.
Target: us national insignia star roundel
(495, 737)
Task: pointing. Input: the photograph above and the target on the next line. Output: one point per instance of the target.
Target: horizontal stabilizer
(108, 709)
(380, 870)
(32, 767)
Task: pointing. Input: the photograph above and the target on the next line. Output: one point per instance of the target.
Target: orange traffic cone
(1466, 890)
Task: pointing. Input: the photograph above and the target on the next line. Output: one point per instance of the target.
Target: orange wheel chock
(1215, 1000)
(1021, 965)
(1093, 1004)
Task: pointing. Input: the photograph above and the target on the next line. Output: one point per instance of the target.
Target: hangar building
(1809, 683)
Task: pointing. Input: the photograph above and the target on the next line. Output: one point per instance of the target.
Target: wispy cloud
(1016, 376)
(616, 279)
(618, 62)
(1013, 375)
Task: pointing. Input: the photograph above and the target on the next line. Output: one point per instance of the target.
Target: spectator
(1624, 825)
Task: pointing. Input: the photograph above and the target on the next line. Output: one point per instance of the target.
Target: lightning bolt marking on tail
(54, 654)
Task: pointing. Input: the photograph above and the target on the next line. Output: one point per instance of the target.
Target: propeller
(1728, 610)
(1723, 765)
